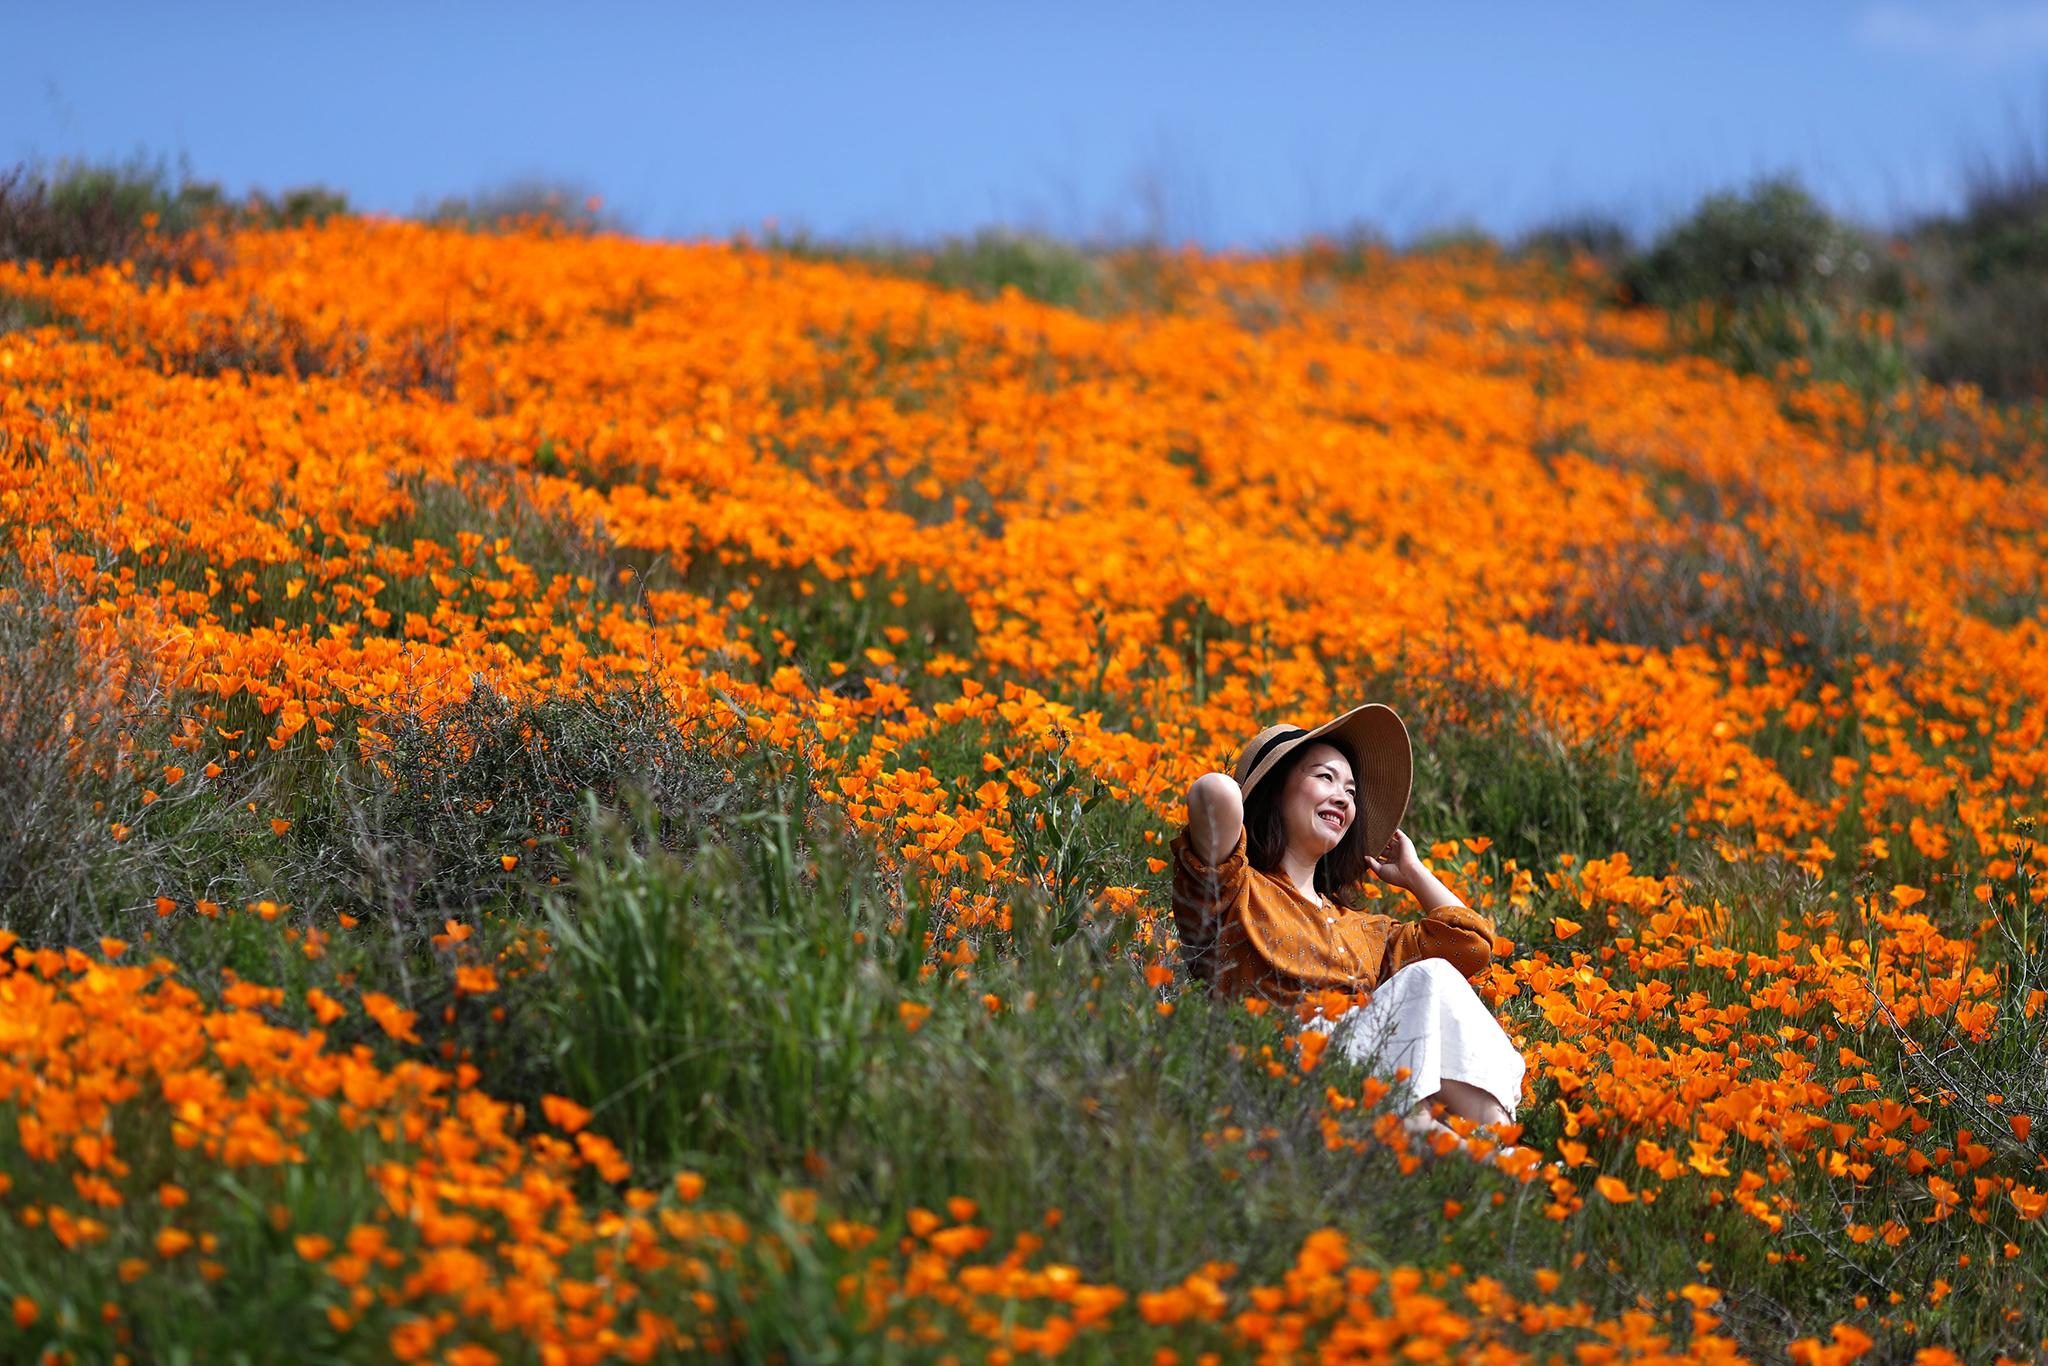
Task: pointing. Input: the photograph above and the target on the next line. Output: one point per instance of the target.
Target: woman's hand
(1398, 864)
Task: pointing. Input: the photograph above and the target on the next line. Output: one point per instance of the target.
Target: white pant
(1427, 1018)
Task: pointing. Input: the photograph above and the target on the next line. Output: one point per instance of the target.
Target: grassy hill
(577, 798)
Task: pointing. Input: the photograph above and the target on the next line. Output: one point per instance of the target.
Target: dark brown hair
(1339, 872)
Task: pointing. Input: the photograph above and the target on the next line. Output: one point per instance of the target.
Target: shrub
(1773, 242)
(1768, 279)
(136, 211)
(421, 831)
(96, 215)
(535, 203)
(87, 838)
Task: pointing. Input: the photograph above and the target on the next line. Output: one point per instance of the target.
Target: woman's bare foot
(1467, 1101)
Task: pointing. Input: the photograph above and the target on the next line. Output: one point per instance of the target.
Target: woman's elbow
(1483, 943)
(1217, 793)
(1468, 947)
(1215, 814)
(1480, 956)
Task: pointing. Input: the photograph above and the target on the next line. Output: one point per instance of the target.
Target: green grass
(726, 1012)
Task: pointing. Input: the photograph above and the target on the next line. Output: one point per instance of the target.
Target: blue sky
(1240, 125)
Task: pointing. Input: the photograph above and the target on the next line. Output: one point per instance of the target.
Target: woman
(1255, 872)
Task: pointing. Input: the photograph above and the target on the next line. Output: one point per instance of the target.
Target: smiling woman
(1256, 873)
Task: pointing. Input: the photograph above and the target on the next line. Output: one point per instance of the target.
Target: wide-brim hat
(1384, 772)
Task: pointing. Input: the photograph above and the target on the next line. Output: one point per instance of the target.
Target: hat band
(1282, 738)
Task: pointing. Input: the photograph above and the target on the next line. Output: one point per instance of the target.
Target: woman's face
(1319, 802)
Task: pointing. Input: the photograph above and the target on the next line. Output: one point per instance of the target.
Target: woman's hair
(1265, 831)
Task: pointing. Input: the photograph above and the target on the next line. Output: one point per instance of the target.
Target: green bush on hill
(1738, 249)
(1769, 280)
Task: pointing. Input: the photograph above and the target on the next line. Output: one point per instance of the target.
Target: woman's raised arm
(1215, 815)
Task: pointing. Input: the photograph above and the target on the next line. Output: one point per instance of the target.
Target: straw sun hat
(1385, 770)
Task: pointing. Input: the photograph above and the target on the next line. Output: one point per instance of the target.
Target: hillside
(582, 799)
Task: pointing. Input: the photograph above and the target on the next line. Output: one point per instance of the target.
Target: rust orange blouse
(1251, 933)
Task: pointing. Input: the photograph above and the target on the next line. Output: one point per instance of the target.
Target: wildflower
(849, 1235)
(390, 1017)
(563, 1113)
(476, 980)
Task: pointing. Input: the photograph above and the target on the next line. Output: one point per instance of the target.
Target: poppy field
(577, 799)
